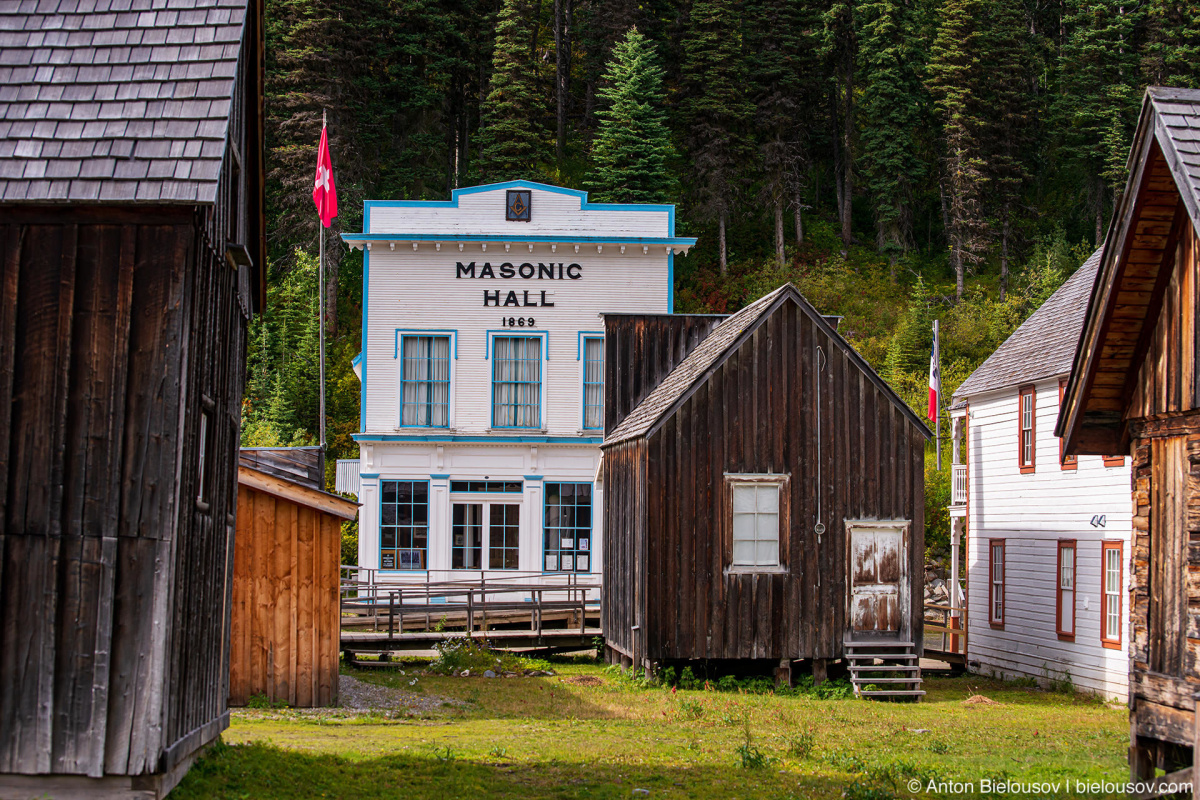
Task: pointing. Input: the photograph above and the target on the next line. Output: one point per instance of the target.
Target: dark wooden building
(1135, 388)
(286, 625)
(131, 247)
(764, 492)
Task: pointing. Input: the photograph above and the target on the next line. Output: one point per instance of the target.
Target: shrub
(460, 653)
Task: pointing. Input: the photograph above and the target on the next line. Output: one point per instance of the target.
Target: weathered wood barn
(1135, 388)
(764, 494)
(131, 247)
(286, 572)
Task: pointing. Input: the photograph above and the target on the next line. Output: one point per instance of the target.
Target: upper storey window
(425, 381)
(517, 382)
(1026, 420)
(593, 383)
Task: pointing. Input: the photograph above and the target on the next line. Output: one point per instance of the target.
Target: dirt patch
(583, 680)
(979, 700)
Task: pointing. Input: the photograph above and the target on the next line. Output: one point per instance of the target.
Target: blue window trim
(583, 388)
(430, 332)
(440, 477)
(512, 333)
(428, 526)
(485, 491)
(451, 332)
(368, 476)
(579, 341)
(534, 477)
(585, 205)
(591, 530)
(492, 333)
(451, 438)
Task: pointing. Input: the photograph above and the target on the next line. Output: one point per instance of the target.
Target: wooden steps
(890, 666)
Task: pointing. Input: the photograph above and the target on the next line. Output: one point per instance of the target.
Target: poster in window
(551, 563)
(568, 544)
(568, 563)
(410, 559)
(582, 562)
(389, 561)
(584, 543)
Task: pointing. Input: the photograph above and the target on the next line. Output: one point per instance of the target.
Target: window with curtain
(517, 382)
(425, 381)
(755, 524)
(1110, 600)
(568, 527)
(1066, 589)
(466, 547)
(593, 383)
(404, 524)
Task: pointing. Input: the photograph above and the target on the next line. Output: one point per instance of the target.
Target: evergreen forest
(899, 160)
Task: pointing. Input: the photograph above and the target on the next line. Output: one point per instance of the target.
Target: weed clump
(475, 657)
(264, 702)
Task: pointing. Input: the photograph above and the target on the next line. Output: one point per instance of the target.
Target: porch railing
(958, 484)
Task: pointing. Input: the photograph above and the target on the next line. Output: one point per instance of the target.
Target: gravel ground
(358, 698)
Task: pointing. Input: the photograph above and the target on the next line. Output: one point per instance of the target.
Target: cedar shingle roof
(696, 368)
(115, 101)
(1044, 345)
(1178, 125)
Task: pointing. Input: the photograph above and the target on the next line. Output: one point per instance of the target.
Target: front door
(485, 535)
(877, 578)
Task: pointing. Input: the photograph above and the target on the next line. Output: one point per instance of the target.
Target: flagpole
(321, 314)
(937, 407)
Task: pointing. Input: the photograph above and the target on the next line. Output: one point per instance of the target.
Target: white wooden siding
(553, 213)
(420, 291)
(1032, 512)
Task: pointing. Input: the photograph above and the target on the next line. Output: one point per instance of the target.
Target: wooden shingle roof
(1161, 198)
(682, 381)
(1044, 344)
(116, 101)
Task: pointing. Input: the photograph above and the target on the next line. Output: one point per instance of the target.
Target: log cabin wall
(643, 349)
(286, 617)
(757, 413)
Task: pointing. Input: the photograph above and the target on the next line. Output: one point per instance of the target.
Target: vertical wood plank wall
(757, 413)
(286, 617)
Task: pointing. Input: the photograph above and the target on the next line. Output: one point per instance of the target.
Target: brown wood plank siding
(285, 641)
(640, 350)
(757, 413)
(625, 527)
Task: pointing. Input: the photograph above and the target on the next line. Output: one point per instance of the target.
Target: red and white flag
(324, 192)
(935, 377)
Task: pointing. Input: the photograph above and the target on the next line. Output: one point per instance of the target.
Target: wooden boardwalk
(524, 612)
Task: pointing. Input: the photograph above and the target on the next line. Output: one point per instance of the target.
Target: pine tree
(1172, 52)
(890, 115)
(633, 143)
(840, 48)
(715, 115)
(785, 77)
(512, 136)
(1009, 136)
(1098, 94)
(957, 81)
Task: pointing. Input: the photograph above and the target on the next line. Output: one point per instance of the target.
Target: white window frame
(584, 338)
(781, 484)
(1112, 601)
(490, 357)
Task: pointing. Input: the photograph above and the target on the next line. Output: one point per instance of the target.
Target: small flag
(324, 192)
(935, 377)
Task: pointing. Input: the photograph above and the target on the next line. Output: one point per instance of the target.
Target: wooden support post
(783, 673)
(1141, 763)
(391, 613)
(400, 612)
(820, 670)
(470, 612)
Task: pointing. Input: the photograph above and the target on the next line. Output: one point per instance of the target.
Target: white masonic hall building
(482, 374)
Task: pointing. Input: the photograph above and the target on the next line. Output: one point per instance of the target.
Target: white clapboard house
(1047, 537)
(482, 371)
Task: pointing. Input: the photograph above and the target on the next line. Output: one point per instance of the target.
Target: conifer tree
(715, 114)
(785, 77)
(1099, 92)
(1172, 53)
(889, 115)
(840, 48)
(512, 136)
(957, 80)
(633, 143)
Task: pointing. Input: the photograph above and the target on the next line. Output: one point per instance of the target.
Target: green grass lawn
(546, 737)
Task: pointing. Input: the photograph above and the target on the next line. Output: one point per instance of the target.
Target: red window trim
(1065, 462)
(1064, 635)
(1114, 461)
(992, 620)
(1031, 464)
(1105, 546)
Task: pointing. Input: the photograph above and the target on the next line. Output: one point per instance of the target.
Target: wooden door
(877, 579)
